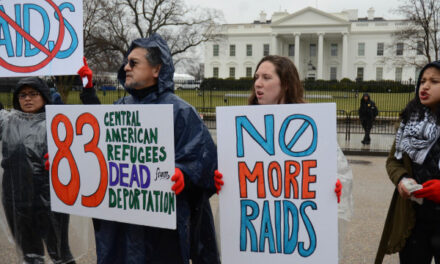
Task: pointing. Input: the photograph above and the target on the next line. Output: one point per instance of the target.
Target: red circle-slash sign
(28, 37)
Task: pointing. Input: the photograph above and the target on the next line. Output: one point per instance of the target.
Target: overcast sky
(246, 11)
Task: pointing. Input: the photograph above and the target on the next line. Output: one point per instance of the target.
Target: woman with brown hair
(273, 71)
(276, 81)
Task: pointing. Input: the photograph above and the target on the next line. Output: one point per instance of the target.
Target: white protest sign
(279, 165)
(113, 162)
(40, 37)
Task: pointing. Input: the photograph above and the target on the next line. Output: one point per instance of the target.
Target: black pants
(121, 243)
(422, 245)
(32, 226)
(367, 125)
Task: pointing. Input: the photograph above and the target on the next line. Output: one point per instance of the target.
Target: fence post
(348, 122)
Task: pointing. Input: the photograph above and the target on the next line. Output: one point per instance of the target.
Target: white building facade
(327, 46)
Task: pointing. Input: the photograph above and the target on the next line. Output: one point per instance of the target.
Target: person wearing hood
(412, 224)
(147, 76)
(367, 114)
(54, 94)
(25, 185)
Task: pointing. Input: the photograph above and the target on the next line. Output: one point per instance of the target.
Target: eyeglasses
(31, 95)
(131, 63)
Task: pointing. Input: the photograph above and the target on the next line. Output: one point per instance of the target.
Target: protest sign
(279, 164)
(40, 37)
(113, 162)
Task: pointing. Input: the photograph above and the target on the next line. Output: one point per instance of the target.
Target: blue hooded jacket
(196, 157)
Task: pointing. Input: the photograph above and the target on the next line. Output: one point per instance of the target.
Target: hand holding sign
(218, 180)
(179, 181)
(46, 163)
(86, 74)
(338, 190)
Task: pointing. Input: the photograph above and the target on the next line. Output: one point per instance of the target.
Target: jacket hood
(34, 82)
(435, 64)
(165, 81)
(362, 98)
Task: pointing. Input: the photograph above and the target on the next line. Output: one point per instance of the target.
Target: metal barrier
(385, 123)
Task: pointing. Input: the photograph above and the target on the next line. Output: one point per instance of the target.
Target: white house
(322, 45)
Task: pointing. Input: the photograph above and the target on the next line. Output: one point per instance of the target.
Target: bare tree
(420, 34)
(195, 69)
(111, 25)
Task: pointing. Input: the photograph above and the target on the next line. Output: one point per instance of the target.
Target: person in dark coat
(367, 114)
(54, 94)
(25, 185)
(147, 75)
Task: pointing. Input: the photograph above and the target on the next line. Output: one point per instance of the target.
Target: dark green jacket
(401, 215)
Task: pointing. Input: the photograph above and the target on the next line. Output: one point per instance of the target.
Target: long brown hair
(291, 85)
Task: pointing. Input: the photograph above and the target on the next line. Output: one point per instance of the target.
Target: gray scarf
(416, 137)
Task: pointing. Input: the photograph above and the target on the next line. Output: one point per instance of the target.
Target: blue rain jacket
(196, 156)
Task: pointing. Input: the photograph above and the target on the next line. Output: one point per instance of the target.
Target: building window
(333, 73)
(291, 50)
(361, 49)
(312, 50)
(249, 50)
(334, 50)
(215, 72)
(265, 49)
(380, 47)
(379, 74)
(215, 50)
(249, 72)
(232, 50)
(232, 72)
(398, 74)
(420, 47)
(360, 74)
(399, 49)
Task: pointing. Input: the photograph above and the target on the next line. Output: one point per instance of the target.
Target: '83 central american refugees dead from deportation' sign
(279, 164)
(113, 162)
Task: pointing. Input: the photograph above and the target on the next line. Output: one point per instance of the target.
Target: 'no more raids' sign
(279, 165)
(40, 37)
(113, 162)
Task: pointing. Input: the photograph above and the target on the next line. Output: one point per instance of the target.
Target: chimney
(371, 13)
(262, 17)
(352, 14)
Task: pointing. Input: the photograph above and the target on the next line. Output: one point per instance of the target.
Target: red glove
(430, 191)
(46, 163)
(338, 190)
(85, 71)
(179, 181)
(218, 180)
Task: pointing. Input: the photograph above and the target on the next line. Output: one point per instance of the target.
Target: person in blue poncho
(147, 75)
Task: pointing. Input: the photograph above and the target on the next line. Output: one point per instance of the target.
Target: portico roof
(309, 16)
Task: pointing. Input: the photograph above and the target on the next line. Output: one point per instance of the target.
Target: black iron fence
(348, 123)
(390, 98)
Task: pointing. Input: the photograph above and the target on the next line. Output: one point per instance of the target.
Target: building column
(320, 56)
(344, 55)
(296, 58)
(274, 44)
